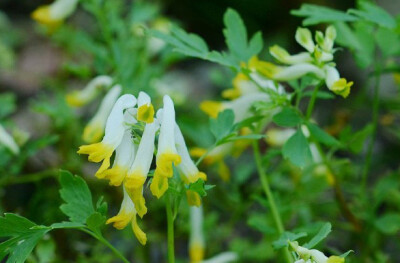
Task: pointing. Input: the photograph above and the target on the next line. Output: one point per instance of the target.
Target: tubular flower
(313, 255)
(8, 141)
(241, 85)
(196, 240)
(86, 95)
(187, 169)
(124, 156)
(145, 110)
(114, 133)
(94, 130)
(316, 61)
(126, 215)
(137, 173)
(53, 15)
(167, 155)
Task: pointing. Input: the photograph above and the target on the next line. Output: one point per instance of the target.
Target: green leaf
(288, 117)
(389, 223)
(322, 234)
(347, 37)
(388, 41)
(319, 14)
(222, 126)
(321, 136)
(324, 95)
(357, 141)
(375, 14)
(67, 225)
(260, 223)
(95, 222)
(23, 237)
(286, 237)
(78, 199)
(200, 187)
(236, 37)
(297, 150)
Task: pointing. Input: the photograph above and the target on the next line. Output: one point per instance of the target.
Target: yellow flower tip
(159, 185)
(335, 259)
(193, 198)
(146, 113)
(223, 171)
(140, 235)
(43, 16)
(104, 166)
(164, 164)
(342, 87)
(116, 175)
(231, 93)
(97, 151)
(202, 176)
(92, 133)
(279, 53)
(197, 152)
(140, 205)
(196, 253)
(74, 100)
(211, 108)
(134, 181)
(119, 221)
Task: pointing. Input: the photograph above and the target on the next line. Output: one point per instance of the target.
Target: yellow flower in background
(82, 97)
(167, 155)
(126, 215)
(114, 132)
(54, 14)
(94, 130)
(196, 240)
(140, 168)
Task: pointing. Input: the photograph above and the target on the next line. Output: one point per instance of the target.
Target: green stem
(106, 243)
(170, 222)
(375, 115)
(271, 200)
(312, 102)
(204, 155)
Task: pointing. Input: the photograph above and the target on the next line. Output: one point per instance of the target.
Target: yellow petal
(146, 113)
(120, 221)
(140, 235)
(97, 151)
(164, 164)
(193, 198)
(159, 185)
(335, 259)
(211, 108)
(42, 15)
(342, 87)
(196, 253)
(116, 175)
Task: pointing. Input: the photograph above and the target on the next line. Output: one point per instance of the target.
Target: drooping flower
(167, 155)
(126, 215)
(140, 168)
(54, 14)
(8, 141)
(114, 132)
(79, 98)
(313, 255)
(94, 130)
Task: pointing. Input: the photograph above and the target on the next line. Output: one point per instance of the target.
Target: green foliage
(23, 236)
(316, 14)
(200, 187)
(373, 13)
(288, 117)
(321, 136)
(321, 235)
(287, 237)
(297, 150)
(8, 106)
(77, 197)
(389, 223)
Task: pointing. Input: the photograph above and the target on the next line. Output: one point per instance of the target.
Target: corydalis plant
(131, 133)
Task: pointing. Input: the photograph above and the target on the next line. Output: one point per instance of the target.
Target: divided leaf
(321, 235)
(23, 237)
(374, 14)
(297, 150)
(78, 199)
(318, 14)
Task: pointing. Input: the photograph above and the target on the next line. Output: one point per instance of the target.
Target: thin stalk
(312, 102)
(106, 243)
(271, 200)
(170, 222)
(375, 115)
(28, 178)
(204, 155)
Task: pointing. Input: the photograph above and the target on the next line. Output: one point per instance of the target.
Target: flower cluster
(134, 154)
(318, 60)
(312, 255)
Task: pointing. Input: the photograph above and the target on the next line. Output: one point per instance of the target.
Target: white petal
(166, 140)
(61, 9)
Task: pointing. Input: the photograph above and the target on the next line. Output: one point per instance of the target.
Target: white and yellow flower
(126, 215)
(140, 168)
(8, 141)
(145, 110)
(336, 84)
(94, 130)
(114, 132)
(167, 155)
(196, 239)
(82, 97)
(54, 14)
(313, 255)
(124, 156)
